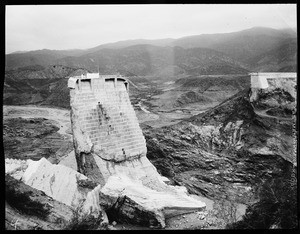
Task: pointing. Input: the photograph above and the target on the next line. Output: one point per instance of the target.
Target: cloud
(84, 26)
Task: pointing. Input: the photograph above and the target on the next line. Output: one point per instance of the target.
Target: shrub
(22, 200)
(82, 221)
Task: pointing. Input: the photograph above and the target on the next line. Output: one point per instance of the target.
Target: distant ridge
(241, 48)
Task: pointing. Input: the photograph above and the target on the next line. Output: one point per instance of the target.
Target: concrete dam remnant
(110, 147)
(269, 81)
(105, 128)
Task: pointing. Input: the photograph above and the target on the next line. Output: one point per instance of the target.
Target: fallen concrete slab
(64, 185)
(169, 201)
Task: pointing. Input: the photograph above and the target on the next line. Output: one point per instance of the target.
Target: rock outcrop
(225, 152)
(59, 182)
(28, 208)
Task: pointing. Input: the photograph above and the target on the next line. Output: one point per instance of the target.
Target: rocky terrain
(225, 154)
(192, 99)
(32, 133)
(27, 208)
(229, 147)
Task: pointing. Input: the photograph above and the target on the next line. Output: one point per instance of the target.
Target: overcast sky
(85, 26)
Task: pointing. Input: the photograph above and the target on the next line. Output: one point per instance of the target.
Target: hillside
(282, 58)
(40, 72)
(43, 57)
(235, 52)
(38, 85)
(194, 94)
(154, 60)
(204, 83)
(250, 43)
(127, 43)
(232, 153)
(228, 149)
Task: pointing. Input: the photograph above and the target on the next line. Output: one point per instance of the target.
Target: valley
(217, 153)
(33, 132)
(215, 149)
(194, 103)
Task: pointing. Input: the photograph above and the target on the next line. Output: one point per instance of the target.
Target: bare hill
(153, 60)
(245, 48)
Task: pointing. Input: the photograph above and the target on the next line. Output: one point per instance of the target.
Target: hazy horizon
(68, 27)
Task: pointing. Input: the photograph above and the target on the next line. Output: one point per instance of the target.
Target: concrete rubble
(57, 181)
(15, 167)
(61, 183)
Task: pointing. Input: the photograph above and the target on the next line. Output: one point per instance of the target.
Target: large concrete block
(57, 181)
(107, 136)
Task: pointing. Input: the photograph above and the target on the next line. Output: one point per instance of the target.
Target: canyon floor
(222, 150)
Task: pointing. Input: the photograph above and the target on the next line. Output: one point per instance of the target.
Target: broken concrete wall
(105, 128)
(15, 167)
(258, 81)
(110, 148)
(267, 82)
(106, 133)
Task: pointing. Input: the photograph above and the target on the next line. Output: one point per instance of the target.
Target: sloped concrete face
(104, 124)
(110, 147)
(105, 118)
(106, 132)
(258, 81)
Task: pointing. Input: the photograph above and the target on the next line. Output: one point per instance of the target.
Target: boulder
(64, 185)
(29, 208)
(137, 203)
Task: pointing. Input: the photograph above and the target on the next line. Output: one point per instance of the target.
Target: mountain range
(252, 50)
(36, 76)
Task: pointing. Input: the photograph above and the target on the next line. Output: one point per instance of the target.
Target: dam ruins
(269, 81)
(113, 171)
(110, 147)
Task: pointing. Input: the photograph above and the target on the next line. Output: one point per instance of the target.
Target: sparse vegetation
(33, 139)
(89, 184)
(22, 201)
(83, 221)
(277, 205)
